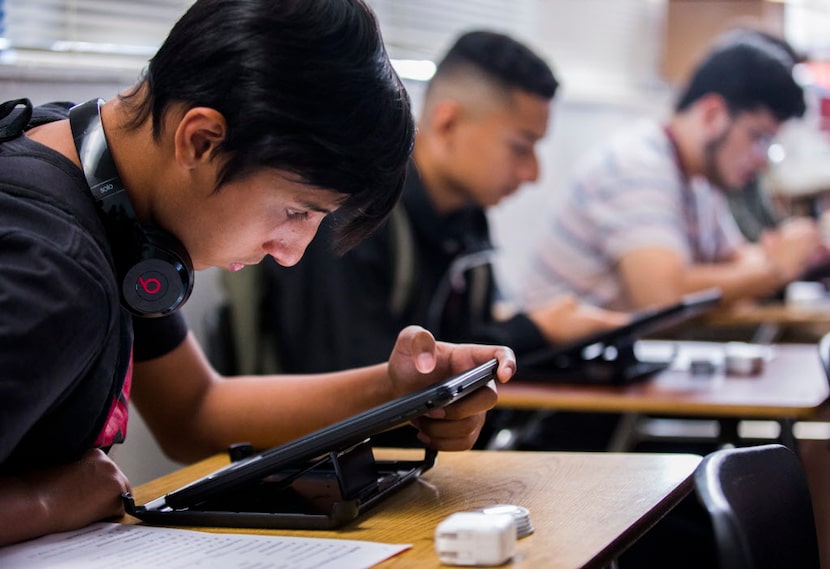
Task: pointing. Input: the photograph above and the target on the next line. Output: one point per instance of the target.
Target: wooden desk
(587, 508)
(792, 386)
(751, 313)
(770, 322)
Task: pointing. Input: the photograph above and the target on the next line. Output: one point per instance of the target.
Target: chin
(502, 196)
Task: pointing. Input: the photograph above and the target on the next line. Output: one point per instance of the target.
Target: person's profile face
(739, 153)
(496, 151)
(264, 213)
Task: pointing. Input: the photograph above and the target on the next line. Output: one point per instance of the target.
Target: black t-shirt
(66, 345)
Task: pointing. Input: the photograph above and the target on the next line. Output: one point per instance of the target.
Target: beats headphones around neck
(154, 269)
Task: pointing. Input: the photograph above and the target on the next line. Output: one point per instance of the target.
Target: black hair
(750, 70)
(306, 87)
(505, 60)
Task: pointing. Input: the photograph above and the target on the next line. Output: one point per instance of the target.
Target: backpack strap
(14, 120)
(403, 256)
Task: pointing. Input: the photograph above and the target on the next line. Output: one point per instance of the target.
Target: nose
(760, 160)
(530, 169)
(287, 251)
(284, 256)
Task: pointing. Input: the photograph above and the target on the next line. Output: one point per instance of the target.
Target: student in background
(645, 219)
(254, 120)
(484, 111)
(753, 210)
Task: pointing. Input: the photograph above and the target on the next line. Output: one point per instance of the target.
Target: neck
(689, 155)
(445, 197)
(140, 176)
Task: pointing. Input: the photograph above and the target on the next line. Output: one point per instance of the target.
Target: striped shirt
(627, 195)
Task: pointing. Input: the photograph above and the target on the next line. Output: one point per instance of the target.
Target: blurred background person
(645, 219)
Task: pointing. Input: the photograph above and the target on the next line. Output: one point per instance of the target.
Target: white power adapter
(476, 538)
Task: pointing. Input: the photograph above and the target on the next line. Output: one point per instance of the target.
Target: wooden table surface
(793, 385)
(778, 312)
(586, 508)
(768, 322)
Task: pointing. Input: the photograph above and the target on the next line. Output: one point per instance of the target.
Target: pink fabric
(115, 429)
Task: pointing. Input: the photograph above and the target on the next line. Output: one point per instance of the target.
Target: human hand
(417, 360)
(792, 247)
(566, 319)
(60, 498)
(82, 492)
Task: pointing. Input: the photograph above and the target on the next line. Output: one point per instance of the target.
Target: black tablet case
(319, 481)
(608, 358)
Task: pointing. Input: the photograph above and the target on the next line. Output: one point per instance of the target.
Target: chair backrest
(760, 506)
(824, 353)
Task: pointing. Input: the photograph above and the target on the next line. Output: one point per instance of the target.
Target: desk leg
(767, 333)
(728, 435)
(787, 436)
(625, 435)
(515, 429)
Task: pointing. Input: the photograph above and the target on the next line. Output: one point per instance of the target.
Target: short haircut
(750, 70)
(305, 87)
(502, 59)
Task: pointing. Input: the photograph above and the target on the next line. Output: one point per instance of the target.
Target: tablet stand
(321, 494)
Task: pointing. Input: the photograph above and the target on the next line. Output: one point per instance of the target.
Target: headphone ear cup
(161, 279)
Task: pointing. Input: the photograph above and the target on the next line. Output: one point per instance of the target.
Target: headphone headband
(155, 270)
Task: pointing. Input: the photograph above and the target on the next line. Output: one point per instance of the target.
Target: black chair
(760, 507)
(824, 353)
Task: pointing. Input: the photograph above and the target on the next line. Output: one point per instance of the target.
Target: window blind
(413, 29)
(99, 26)
(424, 29)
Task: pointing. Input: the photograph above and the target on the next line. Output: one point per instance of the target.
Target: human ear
(715, 114)
(444, 118)
(199, 133)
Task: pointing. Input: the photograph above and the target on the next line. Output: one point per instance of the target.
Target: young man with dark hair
(255, 120)
(483, 113)
(645, 219)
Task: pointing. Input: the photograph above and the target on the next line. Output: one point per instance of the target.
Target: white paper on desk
(104, 546)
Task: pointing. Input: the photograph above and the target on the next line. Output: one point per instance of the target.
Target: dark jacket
(328, 312)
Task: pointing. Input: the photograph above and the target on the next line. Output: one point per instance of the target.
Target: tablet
(608, 356)
(210, 499)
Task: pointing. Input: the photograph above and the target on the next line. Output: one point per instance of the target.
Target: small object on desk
(744, 359)
(806, 295)
(520, 515)
(703, 368)
(476, 539)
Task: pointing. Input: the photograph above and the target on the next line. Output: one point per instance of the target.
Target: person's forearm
(279, 409)
(23, 510)
(264, 411)
(61, 497)
(736, 280)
